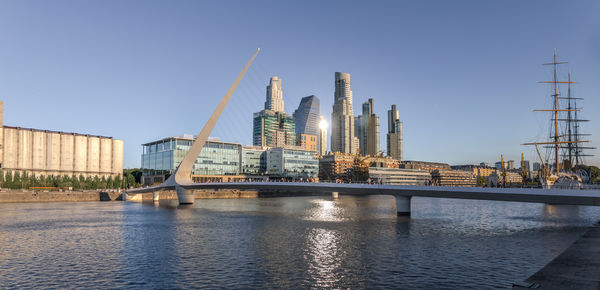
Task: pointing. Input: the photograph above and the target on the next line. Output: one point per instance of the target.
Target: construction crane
(523, 169)
(503, 171)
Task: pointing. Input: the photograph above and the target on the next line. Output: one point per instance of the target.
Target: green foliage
(481, 181)
(136, 172)
(593, 172)
(18, 180)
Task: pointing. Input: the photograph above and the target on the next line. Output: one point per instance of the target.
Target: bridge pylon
(183, 173)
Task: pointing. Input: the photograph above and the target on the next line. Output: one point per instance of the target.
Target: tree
(481, 181)
(359, 170)
(8, 180)
(17, 181)
(117, 183)
(130, 181)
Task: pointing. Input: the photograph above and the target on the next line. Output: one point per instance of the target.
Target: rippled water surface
(291, 242)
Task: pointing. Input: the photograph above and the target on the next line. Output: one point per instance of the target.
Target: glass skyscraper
(307, 116)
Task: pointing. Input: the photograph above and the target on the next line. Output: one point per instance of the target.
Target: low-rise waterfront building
(292, 163)
(397, 176)
(478, 170)
(44, 152)
(254, 160)
(160, 159)
(424, 165)
(336, 164)
(496, 179)
(453, 178)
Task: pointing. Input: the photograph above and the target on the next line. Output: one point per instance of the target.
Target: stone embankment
(11, 196)
(200, 194)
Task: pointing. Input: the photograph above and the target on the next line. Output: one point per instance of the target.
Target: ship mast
(555, 114)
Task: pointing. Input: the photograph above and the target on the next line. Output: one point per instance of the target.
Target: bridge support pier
(155, 196)
(334, 195)
(185, 196)
(403, 205)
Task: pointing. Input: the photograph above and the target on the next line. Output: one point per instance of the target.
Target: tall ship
(565, 146)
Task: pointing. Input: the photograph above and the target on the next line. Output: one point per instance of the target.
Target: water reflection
(562, 211)
(325, 210)
(323, 257)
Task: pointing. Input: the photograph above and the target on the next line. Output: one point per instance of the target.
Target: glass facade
(216, 158)
(254, 160)
(273, 129)
(292, 163)
(307, 116)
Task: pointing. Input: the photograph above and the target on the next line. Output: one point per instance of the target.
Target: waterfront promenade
(576, 268)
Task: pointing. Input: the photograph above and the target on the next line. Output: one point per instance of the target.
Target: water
(291, 242)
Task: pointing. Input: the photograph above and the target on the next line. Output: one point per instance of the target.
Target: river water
(288, 242)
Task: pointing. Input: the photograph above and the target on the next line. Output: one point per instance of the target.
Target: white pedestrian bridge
(402, 193)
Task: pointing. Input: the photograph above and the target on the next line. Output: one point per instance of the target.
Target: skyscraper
(322, 148)
(367, 130)
(395, 147)
(306, 118)
(342, 117)
(272, 127)
(274, 100)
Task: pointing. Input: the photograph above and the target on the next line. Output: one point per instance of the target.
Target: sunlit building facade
(216, 158)
(44, 152)
(292, 163)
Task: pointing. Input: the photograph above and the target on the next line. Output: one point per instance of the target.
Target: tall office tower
(307, 123)
(272, 127)
(342, 117)
(322, 150)
(395, 146)
(367, 130)
(274, 100)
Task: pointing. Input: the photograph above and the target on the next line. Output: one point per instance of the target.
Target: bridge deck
(553, 196)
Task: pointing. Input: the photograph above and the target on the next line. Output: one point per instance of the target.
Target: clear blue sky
(463, 73)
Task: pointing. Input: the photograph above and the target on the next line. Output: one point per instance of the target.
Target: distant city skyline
(463, 74)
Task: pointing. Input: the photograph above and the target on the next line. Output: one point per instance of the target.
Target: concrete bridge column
(334, 195)
(403, 205)
(155, 196)
(185, 196)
